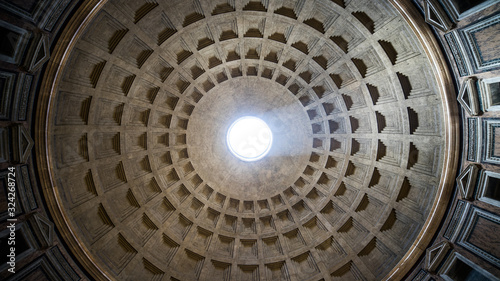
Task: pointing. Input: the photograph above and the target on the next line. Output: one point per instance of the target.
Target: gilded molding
(59, 58)
(452, 139)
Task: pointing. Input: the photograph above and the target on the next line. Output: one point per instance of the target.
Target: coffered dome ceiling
(146, 188)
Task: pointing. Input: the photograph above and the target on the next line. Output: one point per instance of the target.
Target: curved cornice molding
(452, 137)
(52, 76)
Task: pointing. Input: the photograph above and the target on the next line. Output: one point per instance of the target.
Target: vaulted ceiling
(142, 96)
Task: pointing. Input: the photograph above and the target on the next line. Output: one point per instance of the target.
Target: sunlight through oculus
(249, 138)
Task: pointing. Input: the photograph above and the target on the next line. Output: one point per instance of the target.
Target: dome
(138, 107)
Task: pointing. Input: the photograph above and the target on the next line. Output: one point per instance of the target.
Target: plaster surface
(289, 154)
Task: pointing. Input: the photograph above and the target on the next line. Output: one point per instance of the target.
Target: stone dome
(139, 98)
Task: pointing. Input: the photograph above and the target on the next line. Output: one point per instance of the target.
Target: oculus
(249, 138)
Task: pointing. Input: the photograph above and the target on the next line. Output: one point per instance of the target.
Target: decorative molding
(489, 93)
(435, 255)
(55, 13)
(23, 93)
(466, 181)
(22, 143)
(482, 59)
(38, 53)
(456, 14)
(4, 145)
(4, 214)
(26, 189)
(457, 220)
(7, 92)
(436, 16)
(468, 98)
(32, 14)
(422, 275)
(15, 39)
(43, 229)
(455, 260)
(26, 244)
(488, 183)
(472, 140)
(457, 49)
(490, 128)
(61, 264)
(39, 267)
(44, 13)
(472, 234)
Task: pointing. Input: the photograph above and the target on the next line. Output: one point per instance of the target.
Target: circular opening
(249, 138)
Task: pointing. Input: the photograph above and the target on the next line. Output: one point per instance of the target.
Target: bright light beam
(249, 138)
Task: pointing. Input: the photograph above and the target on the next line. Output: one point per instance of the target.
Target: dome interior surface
(137, 130)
